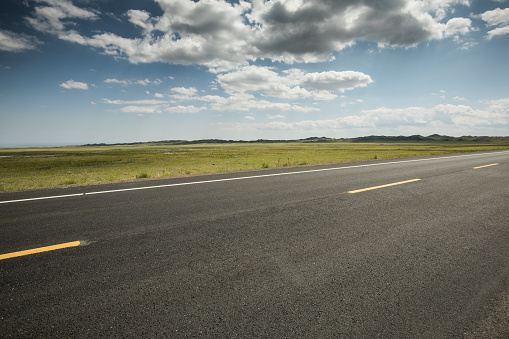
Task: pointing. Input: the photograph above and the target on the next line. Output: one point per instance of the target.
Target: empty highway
(408, 248)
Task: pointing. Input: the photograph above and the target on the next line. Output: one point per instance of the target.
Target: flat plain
(31, 168)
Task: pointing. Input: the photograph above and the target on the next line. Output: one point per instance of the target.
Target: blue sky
(94, 71)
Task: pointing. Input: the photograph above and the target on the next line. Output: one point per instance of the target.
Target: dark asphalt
(275, 257)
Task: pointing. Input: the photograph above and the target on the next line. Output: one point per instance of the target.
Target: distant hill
(372, 138)
(430, 138)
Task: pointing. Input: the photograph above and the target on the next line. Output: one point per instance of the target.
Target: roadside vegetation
(61, 166)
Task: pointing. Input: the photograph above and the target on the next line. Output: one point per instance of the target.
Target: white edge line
(244, 178)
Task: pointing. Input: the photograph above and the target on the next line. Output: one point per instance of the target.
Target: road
(409, 248)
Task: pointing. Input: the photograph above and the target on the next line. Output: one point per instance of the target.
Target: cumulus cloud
(497, 31)
(457, 26)
(294, 84)
(71, 84)
(211, 33)
(52, 16)
(336, 81)
(223, 35)
(499, 107)
(140, 18)
(308, 31)
(182, 93)
(264, 80)
(497, 17)
(414, 120)
(117, 81)
(15, 42)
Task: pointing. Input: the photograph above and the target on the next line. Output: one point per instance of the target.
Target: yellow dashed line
(39, 250)
(486, 166)
(382, 186)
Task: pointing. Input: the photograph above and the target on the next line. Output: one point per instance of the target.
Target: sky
(120, 71)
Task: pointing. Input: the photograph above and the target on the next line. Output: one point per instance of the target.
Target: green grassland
(47, 167)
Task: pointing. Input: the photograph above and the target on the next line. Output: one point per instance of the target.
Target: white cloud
(191, 91)
(346, 103)
(143, 82)
(140, 18)
(324, 95)
(247, 102)
(135, 102)
(152, 106)
(117, 81)
(296, 84)
(236, 102)
(182, 93)
(497, 114)
(184, 109)
(468, 45)
(72, 36)
(141, 109)
(71, 84)
(15, 42)
(223, 35)
(434, 5)
(116, 46)
(500, 106)
(210, 33)
(411, 120)
(307, 31)
(277, 116)
(497, 17)
(253, 79)
(457, 26)
(51, 16)
(336, 81)
(498, 31)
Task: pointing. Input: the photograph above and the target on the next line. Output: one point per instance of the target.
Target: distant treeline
(371, 138)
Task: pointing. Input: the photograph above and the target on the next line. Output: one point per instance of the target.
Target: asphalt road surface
(422, 253)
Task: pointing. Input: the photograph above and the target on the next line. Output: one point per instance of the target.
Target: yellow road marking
(39, 250)
(486, 166)
(382, 186)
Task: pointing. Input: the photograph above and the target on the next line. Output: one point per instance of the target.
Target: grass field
(46, 167)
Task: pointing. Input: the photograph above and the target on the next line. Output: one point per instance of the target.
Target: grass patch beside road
(46, 167)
